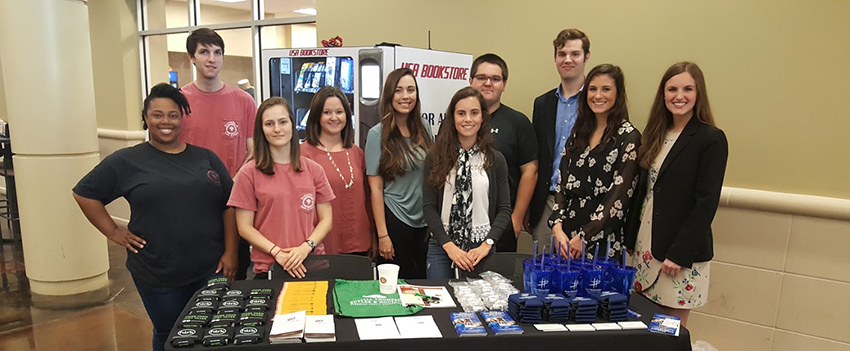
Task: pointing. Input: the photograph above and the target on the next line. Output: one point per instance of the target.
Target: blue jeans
(165, 304)
(439, 265)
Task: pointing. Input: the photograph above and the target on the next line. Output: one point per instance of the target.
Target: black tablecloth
(531, 339)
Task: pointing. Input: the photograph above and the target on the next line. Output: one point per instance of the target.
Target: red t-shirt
(285, 204)
(352, 224)
(221, 121)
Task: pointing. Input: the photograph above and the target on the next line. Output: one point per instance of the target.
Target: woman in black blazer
(683, 159)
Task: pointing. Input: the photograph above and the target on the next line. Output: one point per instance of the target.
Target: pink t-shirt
(285, 204)
(221, 121)
(352, 224)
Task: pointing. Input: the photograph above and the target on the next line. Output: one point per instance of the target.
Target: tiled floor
(119, 324)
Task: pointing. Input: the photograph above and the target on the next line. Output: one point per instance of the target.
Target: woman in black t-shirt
(180, 232)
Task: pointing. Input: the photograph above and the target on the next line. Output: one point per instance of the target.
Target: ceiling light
(308, 11)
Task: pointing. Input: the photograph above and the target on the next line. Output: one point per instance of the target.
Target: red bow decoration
(334, 42)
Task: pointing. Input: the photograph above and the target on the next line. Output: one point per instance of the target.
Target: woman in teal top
(395, 152)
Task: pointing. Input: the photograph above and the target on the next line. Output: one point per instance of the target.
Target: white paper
(376, 328)
(580, 327)
(407, 294)
(415, 327)
(632, 325)
(607, 326)
(550, 327)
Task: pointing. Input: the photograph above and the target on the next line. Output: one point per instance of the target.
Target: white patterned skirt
(687, 290)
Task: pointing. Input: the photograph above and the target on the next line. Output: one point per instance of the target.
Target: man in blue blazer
(553, 118)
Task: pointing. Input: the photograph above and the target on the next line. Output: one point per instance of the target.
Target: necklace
(350, 169)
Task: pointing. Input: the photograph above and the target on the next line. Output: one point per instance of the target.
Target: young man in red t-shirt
(222, 116)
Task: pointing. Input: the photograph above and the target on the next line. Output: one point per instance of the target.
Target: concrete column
(47, 69)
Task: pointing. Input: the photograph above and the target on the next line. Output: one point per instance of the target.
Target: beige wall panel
(729, 335)
(786, 341)
(818, 247)
(66, 246)
(47, 99)
(816, 307)
(743, 293)
(115, 59)
(751, 238)
(736, 43)
(3, 115)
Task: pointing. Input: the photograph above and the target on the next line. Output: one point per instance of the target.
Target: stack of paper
(467, 324)
(376, 328)
(311, 297)
(415, 327)
(320, 329)
(288, 328)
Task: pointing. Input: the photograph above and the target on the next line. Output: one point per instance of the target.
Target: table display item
(320, 329)
(311, 297)
(260, 293)
(613, 306)
(489, 293)
(220, 283)
(416, 327)
(186, 337)
(580, 327)
(664, 324)
(501, 323)
(362, 298)
(288, 328)
(552, 327)
(252, 319)
(376, 328)
(425, 296)
(203, 307)
(223, 320)
(195, 321)
(467, 324)
(231, 306)
(234, 294)
(632, 325)
(209, 295)
(217, 337)
(583, 310)
(388, 277)
(257, 304)
(623, 280)
(591, 279)
(248, 335)
(606, 326)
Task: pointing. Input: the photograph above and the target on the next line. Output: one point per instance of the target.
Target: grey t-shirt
(402, 195)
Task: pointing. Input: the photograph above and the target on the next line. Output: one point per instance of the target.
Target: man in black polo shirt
(515, 139)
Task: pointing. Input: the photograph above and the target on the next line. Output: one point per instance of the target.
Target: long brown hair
(660, 118)
(314, 119)
(586, 119)
(397, 156)
(262, 151)
(445, 151)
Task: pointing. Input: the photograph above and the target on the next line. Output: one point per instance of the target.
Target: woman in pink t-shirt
(278, 195)
(330, 142)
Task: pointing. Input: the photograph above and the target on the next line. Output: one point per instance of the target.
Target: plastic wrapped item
(490, 293)
(467, 297)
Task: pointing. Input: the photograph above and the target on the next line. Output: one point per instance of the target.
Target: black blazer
(543, 119)
(686, 195)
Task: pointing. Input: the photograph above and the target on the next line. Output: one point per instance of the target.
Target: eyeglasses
(482, 78)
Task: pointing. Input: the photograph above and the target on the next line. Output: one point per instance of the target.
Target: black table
(531, 339)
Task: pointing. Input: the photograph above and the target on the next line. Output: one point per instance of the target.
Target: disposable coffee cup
(388, 277)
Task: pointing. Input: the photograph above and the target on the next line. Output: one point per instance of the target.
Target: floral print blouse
(594, 191)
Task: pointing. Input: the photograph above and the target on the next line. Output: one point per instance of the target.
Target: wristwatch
(489, 241)
(312, 244)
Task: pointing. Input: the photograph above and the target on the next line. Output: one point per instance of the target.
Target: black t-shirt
(176, 204)
(516, 140)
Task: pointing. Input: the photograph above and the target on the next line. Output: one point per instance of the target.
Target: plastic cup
(388, 277)
(591, 279)
(527, 267)
(568, 280)
(609, 264)
(541, 279)
(623, 279)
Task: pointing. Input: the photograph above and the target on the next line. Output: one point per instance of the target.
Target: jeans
(165, 304)
(439, 264)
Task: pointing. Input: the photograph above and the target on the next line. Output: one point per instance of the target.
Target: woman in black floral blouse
(599, 169)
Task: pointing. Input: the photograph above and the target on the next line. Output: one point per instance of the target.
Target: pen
(435, 298)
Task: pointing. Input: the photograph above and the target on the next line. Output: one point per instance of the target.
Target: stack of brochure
(288, 328)
(320, 329)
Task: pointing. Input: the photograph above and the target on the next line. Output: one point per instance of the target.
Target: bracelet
(381, 237)
(272, 250)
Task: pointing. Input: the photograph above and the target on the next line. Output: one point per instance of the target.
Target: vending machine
(297, 74)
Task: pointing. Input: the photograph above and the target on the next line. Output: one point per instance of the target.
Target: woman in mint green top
(395, 152)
